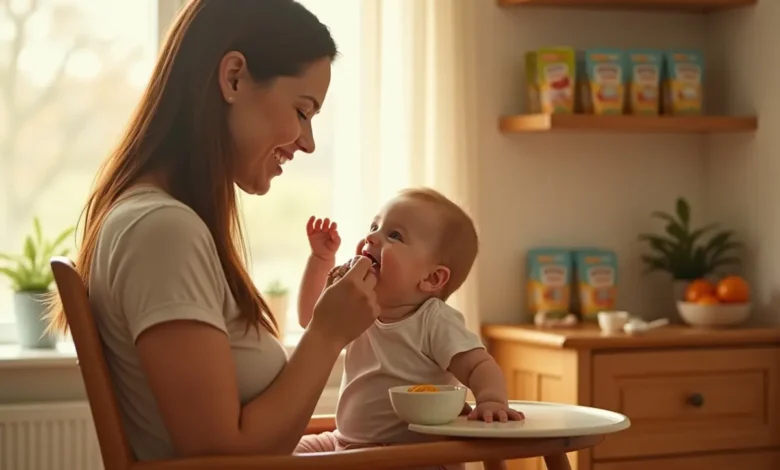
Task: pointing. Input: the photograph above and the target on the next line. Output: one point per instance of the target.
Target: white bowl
(713, 315)
(612, 321)
(428, 408)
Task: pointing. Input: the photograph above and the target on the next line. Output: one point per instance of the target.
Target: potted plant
(31, 279)
(687, 253)
(277, 298)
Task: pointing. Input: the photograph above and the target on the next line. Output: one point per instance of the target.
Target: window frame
(166, 13)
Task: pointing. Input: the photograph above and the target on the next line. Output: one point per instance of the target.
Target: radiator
(48, 436)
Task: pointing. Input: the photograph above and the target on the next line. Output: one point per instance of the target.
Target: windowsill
(12, 356)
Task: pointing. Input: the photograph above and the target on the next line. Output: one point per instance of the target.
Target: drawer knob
(696, 400)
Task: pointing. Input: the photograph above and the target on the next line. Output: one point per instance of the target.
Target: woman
(189, 341)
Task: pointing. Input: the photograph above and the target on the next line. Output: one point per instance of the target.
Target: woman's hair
(179, 128)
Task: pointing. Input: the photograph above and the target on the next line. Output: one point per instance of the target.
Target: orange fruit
(708, 300)
(733, 290)
(698, 289)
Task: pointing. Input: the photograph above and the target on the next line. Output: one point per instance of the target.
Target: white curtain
(402, 117)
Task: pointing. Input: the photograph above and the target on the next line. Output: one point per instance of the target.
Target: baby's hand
(488, 411)
(324, 238)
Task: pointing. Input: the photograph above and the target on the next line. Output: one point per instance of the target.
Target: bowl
(718, 315)
(612, 322)
(428, 408)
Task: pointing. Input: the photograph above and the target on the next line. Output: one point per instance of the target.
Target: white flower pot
(29, 308)
(279, 305)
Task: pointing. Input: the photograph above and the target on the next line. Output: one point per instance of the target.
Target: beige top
(416, 350)
(156, 261)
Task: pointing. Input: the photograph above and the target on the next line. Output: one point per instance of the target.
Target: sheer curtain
(402, 115)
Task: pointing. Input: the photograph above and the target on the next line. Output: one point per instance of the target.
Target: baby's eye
(395, 235)
(302, 115)
(373, 228)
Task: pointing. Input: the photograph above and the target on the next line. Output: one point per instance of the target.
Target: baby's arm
(477, 370)
(324, 240)
(461, 352)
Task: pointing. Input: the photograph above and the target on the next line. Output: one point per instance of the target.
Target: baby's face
(403, 242)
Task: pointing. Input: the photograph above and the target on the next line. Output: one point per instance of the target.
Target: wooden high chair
(117, 455)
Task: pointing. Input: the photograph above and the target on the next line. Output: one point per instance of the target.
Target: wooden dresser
(697, 399)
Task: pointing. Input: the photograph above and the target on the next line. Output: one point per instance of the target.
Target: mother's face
(268, 123)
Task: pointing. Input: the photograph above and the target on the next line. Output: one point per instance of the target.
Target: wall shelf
(627, 124)
(696, 6)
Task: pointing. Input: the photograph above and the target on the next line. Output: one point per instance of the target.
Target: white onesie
(415, 350)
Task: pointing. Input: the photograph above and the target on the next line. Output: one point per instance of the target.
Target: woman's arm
(189, 366)
(165, 276)
(313, 281)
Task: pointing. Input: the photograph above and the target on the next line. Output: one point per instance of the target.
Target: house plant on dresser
(686, 253)
(31, 279)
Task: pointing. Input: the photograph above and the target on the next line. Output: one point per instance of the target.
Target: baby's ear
(436, 280)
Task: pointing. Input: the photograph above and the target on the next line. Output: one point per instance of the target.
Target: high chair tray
(541, 420)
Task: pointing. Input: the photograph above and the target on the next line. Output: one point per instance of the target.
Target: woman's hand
(348, 307)
(324, 238)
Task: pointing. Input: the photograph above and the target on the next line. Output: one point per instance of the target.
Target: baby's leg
(315, 443)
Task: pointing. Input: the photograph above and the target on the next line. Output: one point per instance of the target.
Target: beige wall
(743, 175)
(575, 189)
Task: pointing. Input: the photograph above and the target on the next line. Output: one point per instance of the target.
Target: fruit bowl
(713, 315)
(428, 407)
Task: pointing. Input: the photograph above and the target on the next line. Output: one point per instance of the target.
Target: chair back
(114, 446)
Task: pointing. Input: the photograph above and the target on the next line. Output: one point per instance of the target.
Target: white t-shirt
(415, 350)
(156, 261)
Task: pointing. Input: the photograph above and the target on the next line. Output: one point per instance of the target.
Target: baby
(422, 246)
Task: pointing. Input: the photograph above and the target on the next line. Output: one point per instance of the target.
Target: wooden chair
(117, 455)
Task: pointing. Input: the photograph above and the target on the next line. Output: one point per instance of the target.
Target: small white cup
(612, 322)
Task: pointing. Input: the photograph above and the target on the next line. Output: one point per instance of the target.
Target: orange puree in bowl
(423, 388)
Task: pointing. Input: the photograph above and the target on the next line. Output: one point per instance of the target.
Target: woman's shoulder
(151, 214)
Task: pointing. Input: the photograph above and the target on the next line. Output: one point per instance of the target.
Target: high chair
(117, 455)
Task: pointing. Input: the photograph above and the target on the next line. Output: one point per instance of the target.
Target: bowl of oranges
(720, 304)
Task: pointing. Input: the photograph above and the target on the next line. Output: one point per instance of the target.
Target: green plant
(30, 271)
(683, 252)
(276, 289)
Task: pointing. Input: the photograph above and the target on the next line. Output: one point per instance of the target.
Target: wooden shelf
(627, 124)
(696, 6)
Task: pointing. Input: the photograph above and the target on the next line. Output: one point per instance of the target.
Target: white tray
(541, 420)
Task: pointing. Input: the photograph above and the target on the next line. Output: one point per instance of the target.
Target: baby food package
(549, 280)
(551, 76)
(603, 81)
(596, 281)
(683, 73)
(645, 69)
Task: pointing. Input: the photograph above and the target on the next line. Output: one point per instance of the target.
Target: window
(71, 72)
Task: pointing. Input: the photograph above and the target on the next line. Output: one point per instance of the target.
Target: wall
(741, 173)
(573, 189)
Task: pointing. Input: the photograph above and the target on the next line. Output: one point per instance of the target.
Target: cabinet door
(541, 374)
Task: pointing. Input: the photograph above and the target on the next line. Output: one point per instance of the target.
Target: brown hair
(179, 127)
(459, 243)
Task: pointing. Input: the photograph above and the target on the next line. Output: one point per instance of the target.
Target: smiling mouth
(281, 157)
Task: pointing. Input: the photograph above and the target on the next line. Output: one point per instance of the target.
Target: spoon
(640, 326)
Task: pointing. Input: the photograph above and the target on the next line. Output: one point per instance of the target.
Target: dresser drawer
(689, 400)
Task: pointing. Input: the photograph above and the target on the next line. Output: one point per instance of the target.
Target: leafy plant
(30, 271)
(683, 252)
(276, 289)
